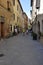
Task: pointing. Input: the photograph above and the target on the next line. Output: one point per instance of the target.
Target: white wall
(33, 10)
(40, 11)
(41, 7)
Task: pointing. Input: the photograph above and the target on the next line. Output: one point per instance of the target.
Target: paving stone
(21, 50)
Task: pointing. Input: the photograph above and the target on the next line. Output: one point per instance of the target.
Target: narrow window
(14, 16)
(17, 7)
(11, 27)
(13, 2)
(8, 5)
(17, 18)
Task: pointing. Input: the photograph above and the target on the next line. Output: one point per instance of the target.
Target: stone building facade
(38, 18)
(18, 13)
(11, 15)
(25, 21)
(6, 15)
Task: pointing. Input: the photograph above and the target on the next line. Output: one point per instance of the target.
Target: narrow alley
(21, 50)
(21, 32)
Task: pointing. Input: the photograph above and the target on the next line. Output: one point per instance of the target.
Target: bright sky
(26, 6)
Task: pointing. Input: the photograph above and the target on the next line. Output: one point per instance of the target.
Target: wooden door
(2, 29)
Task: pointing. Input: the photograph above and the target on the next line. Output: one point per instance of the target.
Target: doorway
(38, 29)
(2, 29)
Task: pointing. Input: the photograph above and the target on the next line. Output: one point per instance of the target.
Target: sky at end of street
(26, 6)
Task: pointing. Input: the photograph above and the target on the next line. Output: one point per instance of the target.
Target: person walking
(27, 31)
(15, 31)
(23, 31)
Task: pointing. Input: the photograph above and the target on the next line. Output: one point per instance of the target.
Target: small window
(11, 27)
(31, 2)
(13, 2)
(8, 5)
(17, 7)
(14, 16)
(17, 18)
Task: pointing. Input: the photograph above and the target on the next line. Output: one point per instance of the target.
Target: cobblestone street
(21, 50)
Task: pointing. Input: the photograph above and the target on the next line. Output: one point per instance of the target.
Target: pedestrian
(16, 31)
(27, 31)
(23, 31)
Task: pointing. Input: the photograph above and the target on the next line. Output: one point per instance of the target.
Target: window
(17, 7)
(31, 2)
(11, 27)
(8, 5)
(37, 4)
(14, 16)
(17, 18)
(13, 2)
(2, 19)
